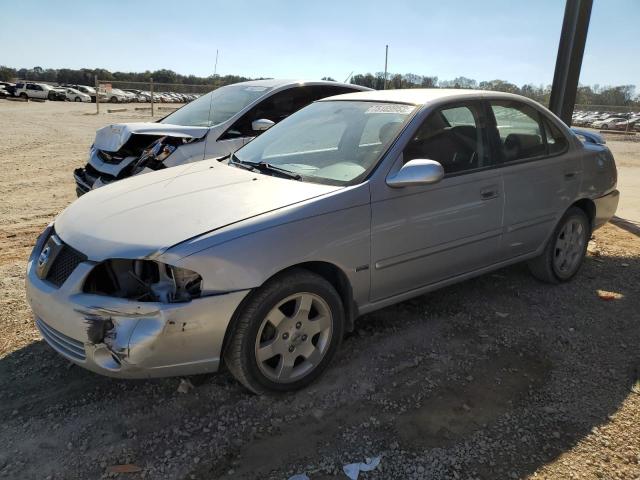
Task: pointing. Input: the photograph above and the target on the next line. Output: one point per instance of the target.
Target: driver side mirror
(262, 124)
(416, 172)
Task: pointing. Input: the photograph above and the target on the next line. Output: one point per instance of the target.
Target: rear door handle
(569, 175)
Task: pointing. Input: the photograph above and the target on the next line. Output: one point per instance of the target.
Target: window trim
(496, 136)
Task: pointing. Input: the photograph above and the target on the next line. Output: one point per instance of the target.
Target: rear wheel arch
(588, 206)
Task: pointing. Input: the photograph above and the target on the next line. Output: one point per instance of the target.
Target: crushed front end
(111, 160)
(129, 318)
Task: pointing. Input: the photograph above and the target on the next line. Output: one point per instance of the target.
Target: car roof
(278, 83)
(422, 96)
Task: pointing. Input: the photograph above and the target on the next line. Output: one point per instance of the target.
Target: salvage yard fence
(155, 91)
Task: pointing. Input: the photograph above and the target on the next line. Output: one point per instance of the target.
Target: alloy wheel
(294, 337)
(569, 246)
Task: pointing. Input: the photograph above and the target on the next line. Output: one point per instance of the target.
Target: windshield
(226, 102)
(335, 142)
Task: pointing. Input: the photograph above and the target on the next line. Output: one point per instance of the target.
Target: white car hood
(112, 137)
(143, 215)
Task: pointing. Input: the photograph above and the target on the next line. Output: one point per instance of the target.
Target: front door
(423, 235)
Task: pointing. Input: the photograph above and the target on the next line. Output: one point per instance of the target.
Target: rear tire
(24, 95)
(564, 253)
(77, 99)
(285, 333)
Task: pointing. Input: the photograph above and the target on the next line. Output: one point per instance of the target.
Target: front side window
(216, 107)
(335, 142)
(519, 129)
(453, 136)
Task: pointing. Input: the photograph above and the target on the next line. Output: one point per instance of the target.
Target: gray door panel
(537, 193)
(421, 235)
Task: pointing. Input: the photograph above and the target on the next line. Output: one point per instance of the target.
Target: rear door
(422, 235)
(540, 174)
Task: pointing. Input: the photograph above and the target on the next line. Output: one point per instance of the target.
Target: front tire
(564, 253)
(286, 333)
(77, 99)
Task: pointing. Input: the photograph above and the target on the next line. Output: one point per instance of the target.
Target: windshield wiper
(264, 167)
(281, 171)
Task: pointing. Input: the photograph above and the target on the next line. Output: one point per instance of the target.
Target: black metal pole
(577, 14)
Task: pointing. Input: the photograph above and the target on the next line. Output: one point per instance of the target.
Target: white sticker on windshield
(255, 89)
(390, 108)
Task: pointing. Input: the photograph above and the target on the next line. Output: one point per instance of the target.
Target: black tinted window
(519, 130)
(453, 136)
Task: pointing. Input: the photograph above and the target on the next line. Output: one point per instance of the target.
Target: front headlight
(144, 281)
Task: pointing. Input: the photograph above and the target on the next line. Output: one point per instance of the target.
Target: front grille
(64, 265)
(62, 344)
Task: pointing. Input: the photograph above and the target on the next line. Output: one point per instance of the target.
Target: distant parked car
(215, 125)
(86, 89)
(58, 93)
(8, 87)
(351, 204)
(74, 95)
(113, 96)
(32, 90)
(609, 123)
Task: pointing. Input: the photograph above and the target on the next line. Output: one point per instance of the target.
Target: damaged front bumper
(129, 339)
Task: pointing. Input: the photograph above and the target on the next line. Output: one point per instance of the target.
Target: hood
(142, 215)
(112, 137)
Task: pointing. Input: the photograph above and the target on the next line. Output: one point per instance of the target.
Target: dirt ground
(497, 377)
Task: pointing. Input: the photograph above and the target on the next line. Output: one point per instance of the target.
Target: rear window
(519, 129)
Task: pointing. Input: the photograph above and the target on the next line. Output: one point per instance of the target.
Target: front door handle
(489, 193)
(569, 175)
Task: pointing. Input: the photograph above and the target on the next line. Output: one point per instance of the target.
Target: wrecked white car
(214, 125)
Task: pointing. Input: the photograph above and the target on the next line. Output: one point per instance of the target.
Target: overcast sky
(514, 40)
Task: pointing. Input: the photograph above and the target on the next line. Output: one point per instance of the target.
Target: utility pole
(151, 91)
(386, 57)
(573, 38)
(95, 78)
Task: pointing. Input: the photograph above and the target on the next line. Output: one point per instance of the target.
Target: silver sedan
(262, 262)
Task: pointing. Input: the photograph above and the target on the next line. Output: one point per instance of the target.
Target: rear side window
(556, 141)
(453, 136)
(519, 129)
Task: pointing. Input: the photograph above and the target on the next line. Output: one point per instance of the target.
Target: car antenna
(215, 71)
(206, 138)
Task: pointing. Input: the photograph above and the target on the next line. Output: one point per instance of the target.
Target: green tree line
(621, 95)
(86, 76)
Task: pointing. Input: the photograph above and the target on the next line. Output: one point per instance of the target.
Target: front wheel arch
(242, 328)
(329, 271)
